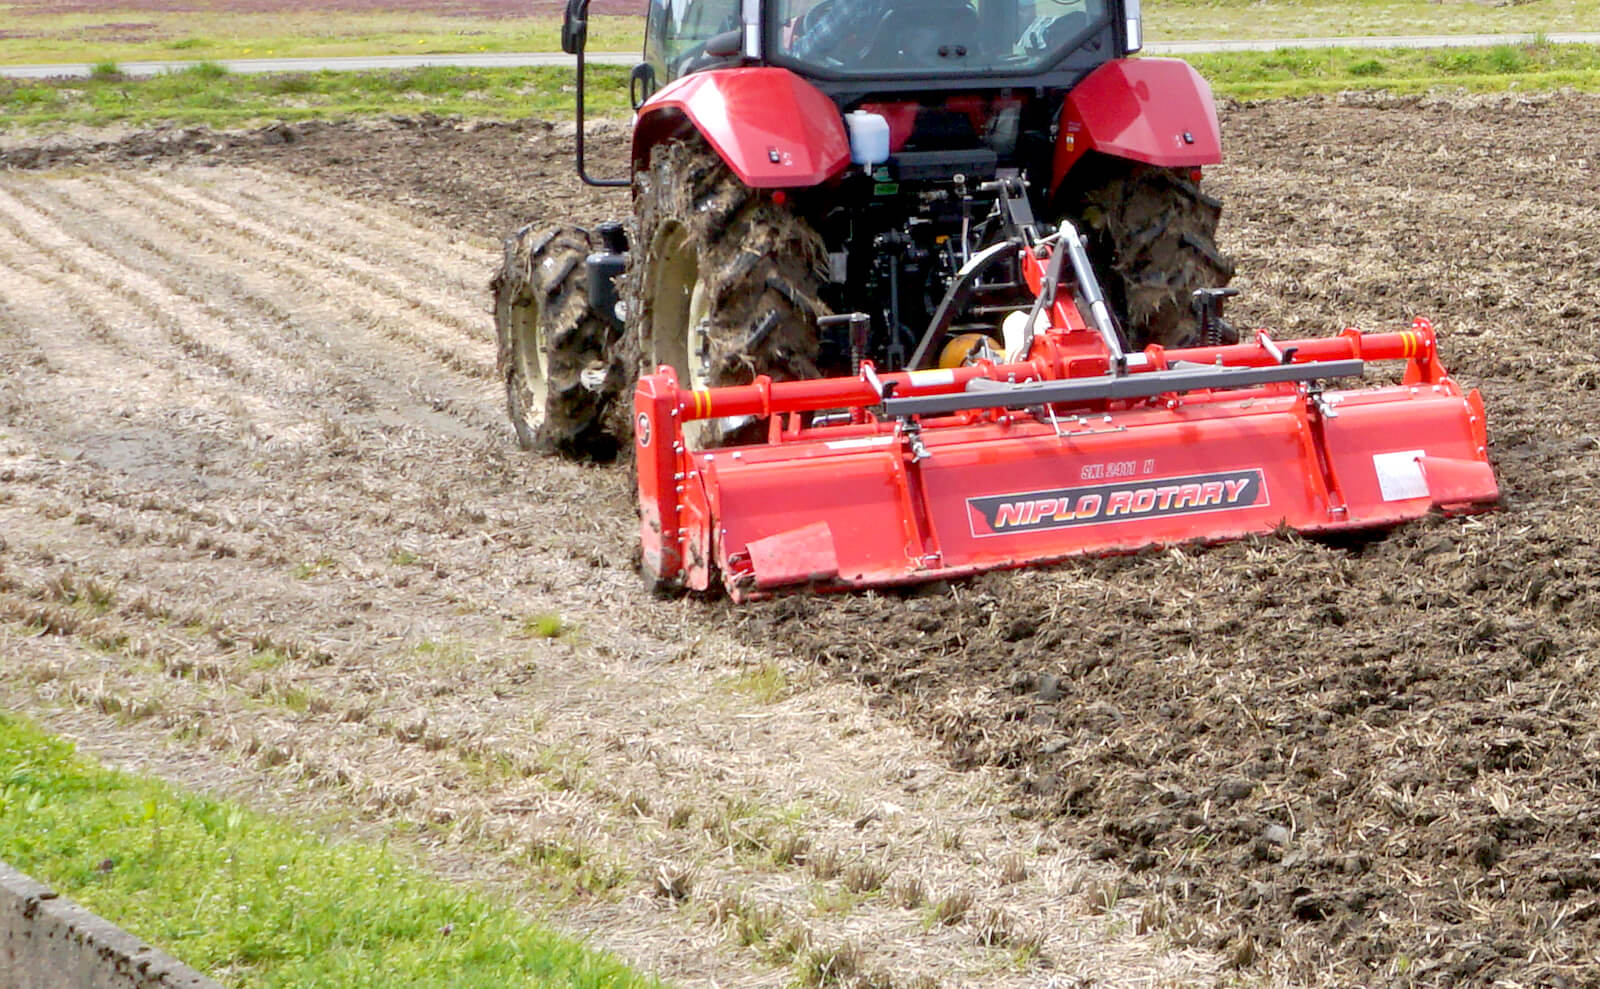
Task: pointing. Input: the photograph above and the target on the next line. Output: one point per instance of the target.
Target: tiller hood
(1065, 446)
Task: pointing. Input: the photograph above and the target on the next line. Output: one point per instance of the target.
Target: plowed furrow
(452, 249)
(317, 312)
(82, 334)
(315, 245)
(324, 288)
(122, 268)
(22, 360)
(452, 264)
(279, 323)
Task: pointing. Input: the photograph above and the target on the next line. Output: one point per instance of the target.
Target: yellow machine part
(968, 348)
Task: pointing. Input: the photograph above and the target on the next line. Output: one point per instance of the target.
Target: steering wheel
(805, 21)
(840, 52)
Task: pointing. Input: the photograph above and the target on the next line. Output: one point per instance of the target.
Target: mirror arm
(577, 136)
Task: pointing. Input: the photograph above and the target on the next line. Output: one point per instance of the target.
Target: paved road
(512, 59)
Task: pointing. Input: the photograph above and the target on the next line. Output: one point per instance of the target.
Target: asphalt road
(512, 59)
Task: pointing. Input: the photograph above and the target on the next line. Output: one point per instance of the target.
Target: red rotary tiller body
(1070, 448)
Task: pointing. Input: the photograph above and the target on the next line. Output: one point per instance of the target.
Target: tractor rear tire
(722, 283)
(553, 347)
(1152, 235)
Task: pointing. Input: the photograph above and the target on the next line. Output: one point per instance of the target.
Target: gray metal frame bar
(1001, 395)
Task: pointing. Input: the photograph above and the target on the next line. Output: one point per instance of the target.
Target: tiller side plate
(929, 474)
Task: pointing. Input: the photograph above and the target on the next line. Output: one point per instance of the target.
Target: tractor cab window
(676, 32)
(929, 37)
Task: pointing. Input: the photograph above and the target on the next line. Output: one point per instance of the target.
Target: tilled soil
(1373, 759)
(260, 506)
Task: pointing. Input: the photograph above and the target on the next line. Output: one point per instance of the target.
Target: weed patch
(544, 627)
(765, 683)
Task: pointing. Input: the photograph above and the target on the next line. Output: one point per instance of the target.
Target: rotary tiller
(1055, 444)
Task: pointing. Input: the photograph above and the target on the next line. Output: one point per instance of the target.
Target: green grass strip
(43, 35)
(1304, 71)
(1195, 20)
(207, 94)
(256, 901)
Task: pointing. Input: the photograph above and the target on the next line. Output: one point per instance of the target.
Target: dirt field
(263, 528)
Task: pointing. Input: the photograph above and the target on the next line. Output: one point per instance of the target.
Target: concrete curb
(49, 942)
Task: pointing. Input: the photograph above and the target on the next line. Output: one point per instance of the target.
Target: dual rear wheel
(553, 347)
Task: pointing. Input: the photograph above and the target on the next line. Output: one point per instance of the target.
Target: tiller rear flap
(1076, 448)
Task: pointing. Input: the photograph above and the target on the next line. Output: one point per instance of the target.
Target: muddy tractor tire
(555, 351)
(722, 282)
(1152, 235)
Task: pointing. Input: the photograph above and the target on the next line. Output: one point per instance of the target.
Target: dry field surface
(263, 529)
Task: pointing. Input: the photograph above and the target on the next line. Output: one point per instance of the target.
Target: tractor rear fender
(1154, 110)
(773, 128)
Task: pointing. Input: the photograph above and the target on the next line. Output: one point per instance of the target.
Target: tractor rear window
(898, 37)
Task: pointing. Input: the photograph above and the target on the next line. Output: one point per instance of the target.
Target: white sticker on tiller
(932, 378)
(1400, 475)
(859, 443)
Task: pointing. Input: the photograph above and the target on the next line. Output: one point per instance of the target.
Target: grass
(255, 901)
(201, 95)
(543, 626)
(305, 569)
(1305, 71)
(209, 95)
(765, 683)
(34, 34)
(1237, 20)
(446, 652)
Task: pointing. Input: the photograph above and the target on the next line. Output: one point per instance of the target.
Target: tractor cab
(846, 46)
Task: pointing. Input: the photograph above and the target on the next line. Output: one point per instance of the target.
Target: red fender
(773, 128)
(1155, 110)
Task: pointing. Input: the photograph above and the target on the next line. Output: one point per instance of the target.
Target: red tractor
(813, 179)
(923, 288)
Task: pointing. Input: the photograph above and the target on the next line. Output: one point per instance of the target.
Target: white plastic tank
(869, 138)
